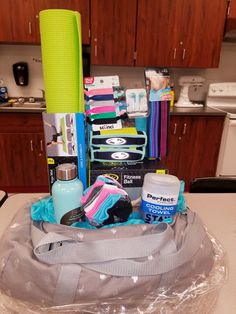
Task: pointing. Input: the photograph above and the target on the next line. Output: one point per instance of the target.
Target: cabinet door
(113, 26)
(158, 27)
(180, 151)
(232, 9)
(36, 161)
(190, 145)
(4, 163)
(208, 138)
(14, 151)
(22, 21)
(194, 143)
(202, 33)
(200, 147)
(5, 28)
(171, 161)
(180, 33)
(81, 6)
(231, 16)
(24, 168)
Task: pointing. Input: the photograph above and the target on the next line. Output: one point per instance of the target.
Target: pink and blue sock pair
(106, 202)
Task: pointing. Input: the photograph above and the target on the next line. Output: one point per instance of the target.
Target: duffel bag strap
(53, 248)
(114, 256)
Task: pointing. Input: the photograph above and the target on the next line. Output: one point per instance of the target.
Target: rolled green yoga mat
(61, 45)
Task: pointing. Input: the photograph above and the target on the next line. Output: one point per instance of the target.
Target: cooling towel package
(62, 60)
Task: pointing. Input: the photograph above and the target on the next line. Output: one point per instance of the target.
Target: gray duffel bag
(49, 264)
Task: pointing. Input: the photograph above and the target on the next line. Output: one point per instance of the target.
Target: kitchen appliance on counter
(21, 73)
(222, 96)
(186, 82)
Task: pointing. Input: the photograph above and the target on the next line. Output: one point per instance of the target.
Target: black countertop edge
(204, 111)
(201, 111)
(25, 110)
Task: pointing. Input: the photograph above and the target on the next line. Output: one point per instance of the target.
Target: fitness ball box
(130, 176)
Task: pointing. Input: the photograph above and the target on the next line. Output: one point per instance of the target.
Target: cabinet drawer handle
(41, 145)
(184, 130)
(95, 51)
(175, 128)
(30, 28)
(31, 146)
(95, 47)
(174, 56)
(184, 52)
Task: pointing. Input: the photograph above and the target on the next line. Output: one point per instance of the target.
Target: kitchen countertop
(202, 111)
(16, 110)
(25, 110)
(218, 212)
(21, 104)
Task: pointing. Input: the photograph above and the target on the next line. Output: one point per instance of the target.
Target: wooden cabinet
(23, 157)
(3, 164)
(113, 25)
(22, 24)
(82, 6)
(157, 32)
(172, 33)
(231, 12)
(5, 24)
(194, 143)
(22, 21)
(180, 33)
(202, 33)
(231, 16)
(17, 21)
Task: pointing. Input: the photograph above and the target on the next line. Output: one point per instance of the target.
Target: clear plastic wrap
(200, 297)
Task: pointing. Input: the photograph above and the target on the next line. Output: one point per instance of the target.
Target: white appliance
(222, 96)
(185, 82)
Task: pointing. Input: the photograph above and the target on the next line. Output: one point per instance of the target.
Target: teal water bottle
(67, 191)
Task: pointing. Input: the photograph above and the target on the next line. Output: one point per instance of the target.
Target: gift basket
(123, 265)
